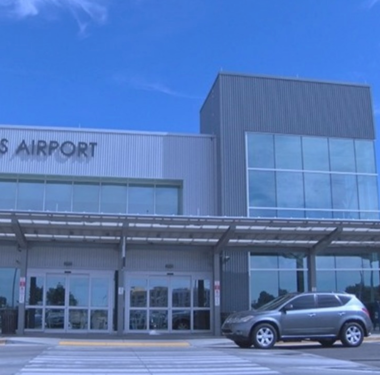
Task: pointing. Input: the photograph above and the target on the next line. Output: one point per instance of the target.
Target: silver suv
(322, 317)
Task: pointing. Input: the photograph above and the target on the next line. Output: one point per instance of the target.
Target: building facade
(109, 231)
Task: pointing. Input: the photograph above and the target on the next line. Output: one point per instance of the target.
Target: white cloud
(140, 84)
(84, 11)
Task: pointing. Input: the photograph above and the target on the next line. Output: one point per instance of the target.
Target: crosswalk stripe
(149, 361)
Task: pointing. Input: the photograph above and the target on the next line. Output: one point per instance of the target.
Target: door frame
(169, 308)
(67, 276)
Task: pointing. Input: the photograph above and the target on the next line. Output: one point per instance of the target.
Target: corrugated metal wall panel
(82, 257)
(183, 260)
(9, 256)
(293, 106)
(277, 105)
(210, 124)
(121, 155)
(235, 282)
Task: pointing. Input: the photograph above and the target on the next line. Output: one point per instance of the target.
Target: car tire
(264, 336)
(243, 344)
(327, 343)
(352, 335)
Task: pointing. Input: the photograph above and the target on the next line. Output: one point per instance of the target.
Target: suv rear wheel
(264, 336)
(352, 334)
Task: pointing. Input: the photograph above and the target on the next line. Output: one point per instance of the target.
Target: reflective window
(9, 281)
(85, 197)
(327, 300)
(274, 275)
(55, 290)
(262, 213)
(317, 190)
(344, 192)
(99, 320)
(79, 287)
(201, 293)
(99, 292)
(290, 190)
(158, 292)
(365, 156)
(78, 319)
(181, 296)
(292, 261)
(357, 274)
(368, 196)
(138, 293)
(303, 302)
(260, 150)
(263, 261)
(58, 196)
(288, 152)
(138, 320)
(141, 199)
(35, 290)
(202, 320)
(262, 191)
(113, 198)
(33, 318)
(30, 195)
(342, 156)
(167, 200)
(315, 154)
(8, 194)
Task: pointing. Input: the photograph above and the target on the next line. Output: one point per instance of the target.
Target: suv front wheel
(352, 334)
(264, 336)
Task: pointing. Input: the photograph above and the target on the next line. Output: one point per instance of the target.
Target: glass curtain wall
(358, 274)
(311, 177)
(77, 196)
(272, 275)
(9, 289)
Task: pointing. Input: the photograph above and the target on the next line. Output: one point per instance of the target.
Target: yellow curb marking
(127, 344)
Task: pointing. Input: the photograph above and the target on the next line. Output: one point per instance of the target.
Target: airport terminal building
(124, 232)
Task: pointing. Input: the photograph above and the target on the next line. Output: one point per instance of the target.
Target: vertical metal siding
(82, 257)
(276, 105)
(9, 256)
(235, 282)
(186, 158)
(210, 123)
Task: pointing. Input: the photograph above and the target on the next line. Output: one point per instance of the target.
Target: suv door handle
(342, 313)
(312, 314)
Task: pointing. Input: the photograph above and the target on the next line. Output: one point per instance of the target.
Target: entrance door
(68, 302)
(168, 303)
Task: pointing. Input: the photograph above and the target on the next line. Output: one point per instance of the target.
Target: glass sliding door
(167, 303)
(69, 302)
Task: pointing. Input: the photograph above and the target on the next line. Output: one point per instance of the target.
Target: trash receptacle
(8, 321)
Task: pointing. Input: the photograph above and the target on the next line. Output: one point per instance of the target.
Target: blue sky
(147, 65)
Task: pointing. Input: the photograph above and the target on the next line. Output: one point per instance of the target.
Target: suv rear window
(344, 299)
(327, 300)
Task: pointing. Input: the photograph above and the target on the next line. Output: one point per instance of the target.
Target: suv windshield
(275, 303)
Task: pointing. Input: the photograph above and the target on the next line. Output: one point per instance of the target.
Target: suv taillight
(364, 309)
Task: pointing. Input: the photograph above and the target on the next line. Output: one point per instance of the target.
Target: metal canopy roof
(219, 232)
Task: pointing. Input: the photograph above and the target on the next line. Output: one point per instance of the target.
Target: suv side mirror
(287, 307)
